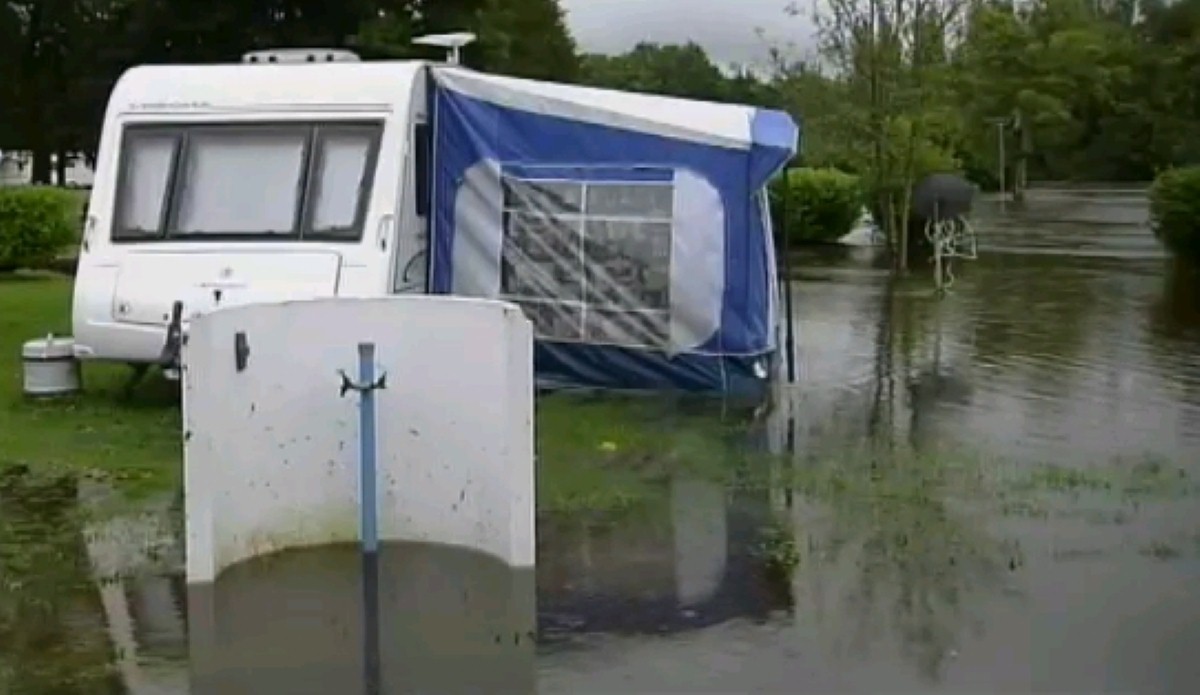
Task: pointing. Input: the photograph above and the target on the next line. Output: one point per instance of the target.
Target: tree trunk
(42, 170)
(903, 224)
(61, 167)
(1022, 173)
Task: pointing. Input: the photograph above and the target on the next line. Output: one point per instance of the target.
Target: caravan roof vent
(301, 55)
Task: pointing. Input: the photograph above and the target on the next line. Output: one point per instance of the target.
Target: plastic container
(51, 368)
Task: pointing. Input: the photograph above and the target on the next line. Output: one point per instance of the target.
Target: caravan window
(590, 260)
(340, 179)
(233, 181)
(149, 160)
(236, 181)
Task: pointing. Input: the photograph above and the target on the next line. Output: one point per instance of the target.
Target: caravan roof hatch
(301, 55)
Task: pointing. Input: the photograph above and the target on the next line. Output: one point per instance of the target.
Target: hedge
(1175, 210)
(822, 204)
(36, 224)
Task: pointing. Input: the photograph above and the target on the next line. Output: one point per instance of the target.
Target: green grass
(613, 455)
(595, 456)
(81, 196)
(133, 438)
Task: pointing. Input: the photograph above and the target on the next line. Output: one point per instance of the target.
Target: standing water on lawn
(991, 492)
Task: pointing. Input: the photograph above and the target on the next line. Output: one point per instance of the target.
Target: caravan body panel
(235, 184)
(205, 281)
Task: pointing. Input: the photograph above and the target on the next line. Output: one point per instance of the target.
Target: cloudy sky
(726, 28)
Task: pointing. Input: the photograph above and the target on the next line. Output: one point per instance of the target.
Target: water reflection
(1177, 311)
(994, 490)
(1034, 358)
(449, 621)
(689, 563)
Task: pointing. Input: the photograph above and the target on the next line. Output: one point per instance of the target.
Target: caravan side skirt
(625, 369)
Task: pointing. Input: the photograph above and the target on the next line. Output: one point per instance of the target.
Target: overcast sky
(726, 28)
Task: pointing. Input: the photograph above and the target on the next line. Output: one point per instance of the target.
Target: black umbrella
(941, 197)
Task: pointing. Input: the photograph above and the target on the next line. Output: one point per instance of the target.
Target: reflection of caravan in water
(692, 563)
(632, 229)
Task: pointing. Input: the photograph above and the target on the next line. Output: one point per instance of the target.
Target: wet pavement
(997, 491)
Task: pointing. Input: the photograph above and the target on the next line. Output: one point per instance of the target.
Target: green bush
(36, 224)
(822, 204)
(1175, 209)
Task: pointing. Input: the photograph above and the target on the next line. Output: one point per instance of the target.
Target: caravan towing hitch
(169, 360)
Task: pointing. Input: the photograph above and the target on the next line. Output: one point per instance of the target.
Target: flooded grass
(1150, 478)
(52, 632)
(1160, 550)
(607, 456)
(996, 490)
(906, 534)
(777, 549)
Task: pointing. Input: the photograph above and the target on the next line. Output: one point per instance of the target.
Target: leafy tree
(674, 70)
(527, 38)
(1100, 92)
(816, 205)
(43, 64)
(11, 32)
(1175, 210)
(891, 61)
(388, 31)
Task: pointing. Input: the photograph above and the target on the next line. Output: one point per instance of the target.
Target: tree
(674, 70)
(527, 38)
(60, 58)
(45, 70)
(524, 38)
(388, 31)
(1099, 91)
(890, 58)
(11, 33)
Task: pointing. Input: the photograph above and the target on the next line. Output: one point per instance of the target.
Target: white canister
(51, 368)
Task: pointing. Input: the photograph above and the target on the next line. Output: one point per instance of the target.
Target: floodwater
(995, 491)
(421, 619)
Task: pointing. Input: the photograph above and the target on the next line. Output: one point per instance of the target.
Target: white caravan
(632, 228)
(299, 176)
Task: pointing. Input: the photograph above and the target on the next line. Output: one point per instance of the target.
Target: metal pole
(790, 340)
(1000, 146)
(1000, 123)
(368, 502)
(937, 258)
(369, 510)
